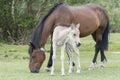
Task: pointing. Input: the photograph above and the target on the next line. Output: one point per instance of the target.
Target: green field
(14, 61)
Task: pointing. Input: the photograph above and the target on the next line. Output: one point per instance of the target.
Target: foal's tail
(104, 42)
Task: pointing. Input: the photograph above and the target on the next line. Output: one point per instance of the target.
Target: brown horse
(93, 19)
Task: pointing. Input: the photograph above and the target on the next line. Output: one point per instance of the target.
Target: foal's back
(60, 33)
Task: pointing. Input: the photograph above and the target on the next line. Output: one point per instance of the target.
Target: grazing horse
(67, 38)
(93, 21)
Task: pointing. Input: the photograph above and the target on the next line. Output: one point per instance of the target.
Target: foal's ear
(32, 45)
(72, 26)
(78, 25)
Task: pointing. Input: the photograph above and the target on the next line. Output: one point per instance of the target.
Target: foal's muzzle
(78, 44)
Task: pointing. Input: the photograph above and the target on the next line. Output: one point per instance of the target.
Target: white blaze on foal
(68, 39)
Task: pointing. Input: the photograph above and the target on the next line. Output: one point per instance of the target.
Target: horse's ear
(32, 45)
(78, 25)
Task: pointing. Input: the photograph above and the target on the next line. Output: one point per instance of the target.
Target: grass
(14, 61)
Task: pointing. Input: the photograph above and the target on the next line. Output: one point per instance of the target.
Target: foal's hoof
(47, 69)
(78, 71)
(70, 71)
(63, 74)
(52, 74)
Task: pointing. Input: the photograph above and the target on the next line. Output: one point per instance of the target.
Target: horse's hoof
(102, 66)
(47, 69)
(90, 68)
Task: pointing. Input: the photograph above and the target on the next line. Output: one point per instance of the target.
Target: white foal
(67, 38)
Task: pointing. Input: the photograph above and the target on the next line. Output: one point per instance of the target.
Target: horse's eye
(33, 57)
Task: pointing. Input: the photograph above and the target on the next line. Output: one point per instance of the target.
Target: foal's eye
(74, 34)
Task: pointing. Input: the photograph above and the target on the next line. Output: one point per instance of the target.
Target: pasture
(14, 61)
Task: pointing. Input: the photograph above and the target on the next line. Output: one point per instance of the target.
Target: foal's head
(74, 35)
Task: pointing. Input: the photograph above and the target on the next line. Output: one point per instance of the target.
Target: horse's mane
(38, 31)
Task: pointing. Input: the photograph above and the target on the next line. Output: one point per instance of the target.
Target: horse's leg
(91, 67)
(50, 58)
(97, 37)
(53, 58)
(104, 45)
(62, 59)
(70, 59)
(47, 69)
(103, 58)
(96, 51)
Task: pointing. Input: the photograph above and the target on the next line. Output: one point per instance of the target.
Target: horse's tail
(104, 42)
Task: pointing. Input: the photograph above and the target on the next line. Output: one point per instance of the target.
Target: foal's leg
(73, 64)
(70, 59)
(78, 60)
(62, 59)
(53, 58)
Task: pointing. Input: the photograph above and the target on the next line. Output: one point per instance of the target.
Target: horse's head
(37, 57)
(75, 34)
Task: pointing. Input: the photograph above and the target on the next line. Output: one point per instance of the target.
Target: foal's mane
(38, 31)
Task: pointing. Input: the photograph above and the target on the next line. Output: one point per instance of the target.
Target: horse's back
(90, 16)
(102, 13)
(87, 17)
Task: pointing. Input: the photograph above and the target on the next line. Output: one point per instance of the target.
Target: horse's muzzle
(34, 70)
